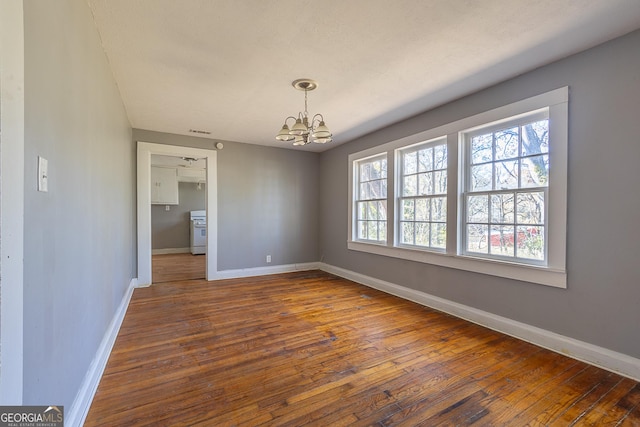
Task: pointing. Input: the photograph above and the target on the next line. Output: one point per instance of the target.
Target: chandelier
(304, 131)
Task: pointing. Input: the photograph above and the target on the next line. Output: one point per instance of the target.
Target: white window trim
(464, 171)
(554, 274)
(355, 200)
(398, 189)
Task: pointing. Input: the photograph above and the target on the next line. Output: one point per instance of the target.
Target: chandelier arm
(315, 117)
(290, 117)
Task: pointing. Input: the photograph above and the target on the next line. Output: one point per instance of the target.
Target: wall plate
(43, 174)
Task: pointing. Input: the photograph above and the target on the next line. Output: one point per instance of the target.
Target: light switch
(43, 174)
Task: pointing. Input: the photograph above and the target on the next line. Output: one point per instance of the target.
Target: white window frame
(465, 190)
(356, 199)
(554, 272)
(399, 153)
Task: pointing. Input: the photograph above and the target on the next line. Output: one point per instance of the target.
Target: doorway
(145, 152)
(178, 218)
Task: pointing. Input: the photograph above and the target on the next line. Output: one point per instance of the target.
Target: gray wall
(602, 303)
(79, 238)
(170, 229)
(267, 201)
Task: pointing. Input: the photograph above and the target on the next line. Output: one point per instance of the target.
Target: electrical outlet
(268, 259)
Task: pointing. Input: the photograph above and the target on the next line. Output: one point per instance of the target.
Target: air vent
(202, 132)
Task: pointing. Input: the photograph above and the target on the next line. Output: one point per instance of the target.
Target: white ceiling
(226, 66)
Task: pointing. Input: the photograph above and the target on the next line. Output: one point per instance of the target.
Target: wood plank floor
(174, 267)
(309, 348)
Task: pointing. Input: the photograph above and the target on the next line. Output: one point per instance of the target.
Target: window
(371, 201)
(506, 190)
(486, 193)
(423, 198)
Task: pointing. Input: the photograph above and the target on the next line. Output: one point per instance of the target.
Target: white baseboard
(598, 356)
(262, 271)
(170, 251)
(81, 404)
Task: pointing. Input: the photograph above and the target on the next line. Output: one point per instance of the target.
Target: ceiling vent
(201, 132)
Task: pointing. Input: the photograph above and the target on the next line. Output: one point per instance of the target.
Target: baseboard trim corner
(81, 404)
(601, 357)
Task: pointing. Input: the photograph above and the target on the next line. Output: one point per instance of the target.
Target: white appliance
(198, 232)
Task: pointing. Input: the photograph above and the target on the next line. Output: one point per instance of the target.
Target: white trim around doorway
(145, 150)
(12, 192)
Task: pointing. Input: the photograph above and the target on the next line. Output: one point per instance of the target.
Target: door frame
(12, 192)
(145, 150)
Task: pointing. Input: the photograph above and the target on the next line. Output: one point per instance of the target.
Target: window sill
(526, 273)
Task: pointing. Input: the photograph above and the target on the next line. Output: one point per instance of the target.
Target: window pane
(410, 185)
(506, 175)
(375, 189)
(440, 157)
(422, 233)
(481, 149)
(502, 208)
(382, 231)
(372, 210)
(425, 160)
(410, 163)
(383, 189)
(530, 241)
(507, 143)
(364, 171)
(439, 209)
(407, 210)
(478, 209)
(502, 240)
(535, 171)
(422, 209)
(372, 230)
(383, 168)
(438, 235)
(406, 233)
(362, 210)
(362, 229)
(477, 238)
(531, 208)
(425, 184)
(365, 191)
(375, 170)
(535, 138)
(440, 182)
(481, 177)
(382, 210)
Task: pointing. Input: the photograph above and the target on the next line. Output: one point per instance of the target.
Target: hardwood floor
(309, 348)
(174, 267)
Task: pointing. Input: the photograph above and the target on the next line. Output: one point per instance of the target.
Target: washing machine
(198, 234)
